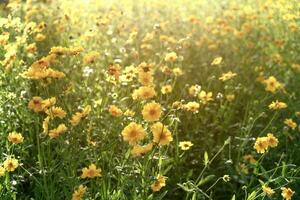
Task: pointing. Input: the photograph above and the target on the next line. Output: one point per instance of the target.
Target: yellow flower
(146, 68)
(90, 57)
(194, 90)
(250, 158)
(185, 145)
(177, 71)
(217, 61)
(171, 57)
(145, 78)
(272, 140)
(79, 193)
(143, 93)
(276, 105)
(133, 133)
(129, 113)
(230, 97)
(139, 150)
(115, 111)
(161, 134)
(56, 112)
(91, 172)
(227, 76)
(47, 103)
(40, 37)
(78, 116)
(287, 193)
(267, 190)
(35, 104)
(159, 183)
(272, 84)
(2, 171)
(205, 97)
(10, 164)
(57, 131)
(15, 137)
(152, 111)
(261, 144)
(290, 123)
(166, 89)
(192, 106)
(46, 125)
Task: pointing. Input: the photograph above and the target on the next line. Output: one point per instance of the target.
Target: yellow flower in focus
(287, 193)
(185, 145)
(276, 105)
(171, 57)
(227, 76)
(15, 137)
(152, 111)
(261, 145)
(139, 150)
(290, 123)
(166, 89)
(2, 171)
(57, 131)
(205, 97)
(91, 172)
(272, 84)
(161, 134)
(10, 164)
(79, 193)
(133, 133)
(267, 190)
(115, 111)
(159, 183)
(217, 61)
(56, 112)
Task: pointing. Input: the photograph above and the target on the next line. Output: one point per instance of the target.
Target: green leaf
(252, 196)
(205, 180)
(233, 197)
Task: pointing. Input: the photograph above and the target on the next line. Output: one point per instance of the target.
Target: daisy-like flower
(277, 105)
(78, 116)
(152, 111)
(166, 89)
(217, 61)
(250, 158)
(290, 123)
(272, 85)
(287, 193)
(185, 145)
(145, 78)
(79, 193)
(227, 76)
(261, 145)
(192, 106)
(171, 57)
(91, 172)
(35, 104)
(267, 190)
(159, 183)
(133, 133)
(139, 150)
(143, 93)
(161, 134)
(272, 140)
(194, 90)
(15, 138)
(10, 164)
(205, 97)
(115, 111)
(56, 112)
(57, 131)
(90, 57)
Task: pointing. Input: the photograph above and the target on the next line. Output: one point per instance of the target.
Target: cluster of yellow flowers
(263, 143)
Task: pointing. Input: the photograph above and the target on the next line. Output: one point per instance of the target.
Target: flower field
(150, 100)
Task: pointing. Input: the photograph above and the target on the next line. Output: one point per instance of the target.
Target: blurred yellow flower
(267, 190)
(79, 193)
(166, 89)
(57, 131)
(217, 61)
(10, 164)
(227, 76)
(171, 57)
(185, 145)
(115, 111)
(139, 150)
(2, 171)
(152, 111)
(276, 105)
(205, 97)
(91, 172)
(15, 137)
(272, 84)
(56, 112)
(287, 193)
(290, 123)
(161, 134)
(159, 183)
